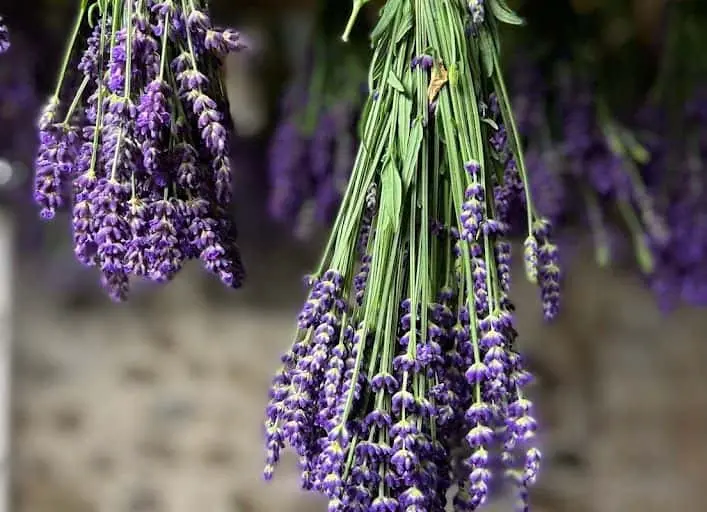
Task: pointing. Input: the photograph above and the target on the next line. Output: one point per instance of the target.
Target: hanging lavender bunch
(19, 101)
(675, 121)
(404, 380)
(137, 140)
(585, 163)
(314, 143)
(678, 169)
(4, 36)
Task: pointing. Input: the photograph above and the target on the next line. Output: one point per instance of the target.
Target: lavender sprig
(137, 141)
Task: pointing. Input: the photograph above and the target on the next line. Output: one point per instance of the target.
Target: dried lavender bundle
(404, 380)
(137, 137)
(314, 144)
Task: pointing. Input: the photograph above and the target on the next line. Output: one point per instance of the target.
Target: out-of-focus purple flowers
(649, 180)
(582, 163)
(137, 142)
(314, 143)
(19, 101)
(4, 36)
(679, 180)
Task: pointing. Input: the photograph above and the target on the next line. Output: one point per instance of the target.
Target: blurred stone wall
(156, 406)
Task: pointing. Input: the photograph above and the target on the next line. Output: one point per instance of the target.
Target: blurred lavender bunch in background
(138, 139)
(19, 103)
(314, 142)
(679, 181)
(585, 165)
(631, 170)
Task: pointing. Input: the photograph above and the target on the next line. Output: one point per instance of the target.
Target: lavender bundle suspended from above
(404, 376)
(584, 162)
(137, 140)
(314, 144)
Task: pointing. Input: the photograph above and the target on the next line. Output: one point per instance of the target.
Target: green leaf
(412, 152)
(404, 107)
(453, 74)
(487, 51)
(405, 24)
(505, 14)
(375, 72)
(391, 197)
(490, 122)
(395, 83)
(388, 14)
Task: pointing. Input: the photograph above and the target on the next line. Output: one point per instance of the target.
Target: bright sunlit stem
(357, 5)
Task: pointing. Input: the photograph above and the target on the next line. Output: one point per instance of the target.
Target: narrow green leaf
(487, 51)
(453, 74)
(376, 70)
(404, 107)
(391, 197)
(412, 152)
(405, 23)
(490, 122)
(395, 83)
(505, 14)
(387, 17)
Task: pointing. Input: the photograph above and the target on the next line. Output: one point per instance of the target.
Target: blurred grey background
(155, 405)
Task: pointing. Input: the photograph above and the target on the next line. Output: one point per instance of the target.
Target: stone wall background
(155, 406)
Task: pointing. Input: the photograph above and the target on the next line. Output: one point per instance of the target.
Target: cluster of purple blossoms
(380, 426)
(139, 147)
(404, 386)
